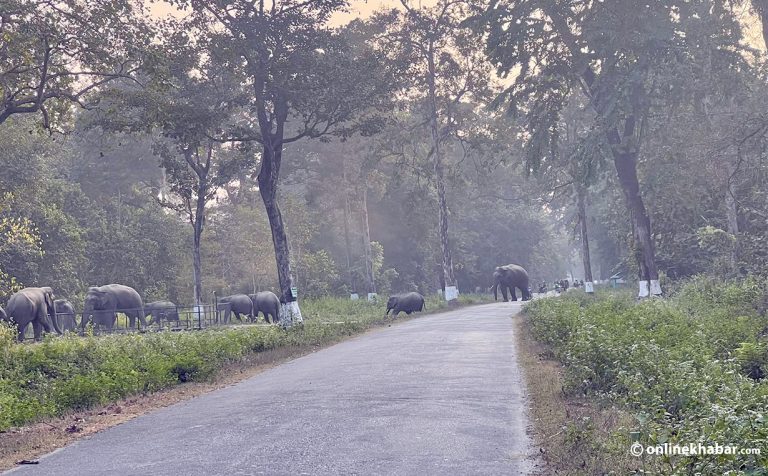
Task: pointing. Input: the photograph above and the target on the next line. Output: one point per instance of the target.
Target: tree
(445, 67)
(57, 53)
(185, 101)
(624, 67)
(304, 80)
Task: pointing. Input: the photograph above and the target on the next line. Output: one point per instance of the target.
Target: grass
(688, 369)
(72, 373)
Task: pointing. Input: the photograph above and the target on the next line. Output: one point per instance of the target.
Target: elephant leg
(512, 293)
(142, 319)
(37, 328)
(22, 331)
(504, 292)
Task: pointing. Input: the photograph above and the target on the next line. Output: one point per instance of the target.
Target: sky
(363, 9)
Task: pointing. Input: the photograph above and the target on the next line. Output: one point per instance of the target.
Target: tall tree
(623, 66)
(186, 101)
(445, 68)
(55, 54)
(304, 80)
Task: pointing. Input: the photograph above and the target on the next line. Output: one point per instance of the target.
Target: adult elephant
(406, 302)
(33, 306)
(239, 304)
(267, 303)
(161, 311)
(104, 302)
(65, 315)
(510, 277)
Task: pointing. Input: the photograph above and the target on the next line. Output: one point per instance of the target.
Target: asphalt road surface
(442, 394)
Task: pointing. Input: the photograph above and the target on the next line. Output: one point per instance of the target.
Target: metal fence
(176, 318)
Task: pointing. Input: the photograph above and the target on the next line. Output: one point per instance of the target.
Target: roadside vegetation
(685, 370)
(70, 373)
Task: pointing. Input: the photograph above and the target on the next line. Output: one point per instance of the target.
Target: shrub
(689, 367)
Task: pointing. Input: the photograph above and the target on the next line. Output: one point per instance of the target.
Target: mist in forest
(233, 149)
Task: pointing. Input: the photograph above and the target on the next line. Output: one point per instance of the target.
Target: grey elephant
(65, 315)
(267, 303)
(406, 302)
(161, 311)
(104, 302)
(239, 305)
(510, 277)
(33, 306)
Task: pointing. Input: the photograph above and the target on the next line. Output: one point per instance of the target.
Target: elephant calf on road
(65, 314)
(407, 303)
(35, 306)
(510, 277)
(161, 311)
(268, 304)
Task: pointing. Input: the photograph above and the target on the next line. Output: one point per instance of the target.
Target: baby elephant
(161, 311)
(65, 313)
(268, 304)
(407, 303)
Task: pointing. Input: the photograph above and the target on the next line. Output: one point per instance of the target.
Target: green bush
(690, 367)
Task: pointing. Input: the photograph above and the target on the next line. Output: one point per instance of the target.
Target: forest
(228, 147)
(330, 150)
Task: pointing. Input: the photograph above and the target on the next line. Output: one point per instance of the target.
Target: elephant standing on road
(161, 311)
(268, 304)
(239, 305)
(407, 303)
(510, 277)
(104, 302)
(35, 306)
(65, 314)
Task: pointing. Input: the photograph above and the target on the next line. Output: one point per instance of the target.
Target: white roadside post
(354, 296)
(589, 287)
(655, 287)
(291, 314)
(643, 292)
(372, 297)
(451, 293)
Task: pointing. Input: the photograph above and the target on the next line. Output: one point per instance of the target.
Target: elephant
(161, 311)
(239, 304)
(35, 306)
(65, 314)
(104, 302)
(510, 277)
(407, 303)
(268, 304)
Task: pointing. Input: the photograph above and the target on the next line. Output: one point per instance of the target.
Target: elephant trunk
(495, 291)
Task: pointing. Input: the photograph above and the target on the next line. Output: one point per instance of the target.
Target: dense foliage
(691, 369)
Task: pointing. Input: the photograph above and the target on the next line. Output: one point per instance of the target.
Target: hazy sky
(360, 8)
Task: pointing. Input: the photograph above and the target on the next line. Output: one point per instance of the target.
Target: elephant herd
(38, 307)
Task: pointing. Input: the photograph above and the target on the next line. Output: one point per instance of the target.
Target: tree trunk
(450, 292)
(367, 245)
(732, 217)
(197, 234)
(347, 239)
(268, 177)
(581, 193)
(626, 168)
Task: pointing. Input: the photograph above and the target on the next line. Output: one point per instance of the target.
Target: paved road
(441, 394)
